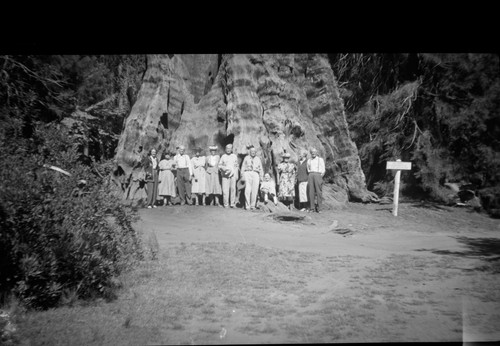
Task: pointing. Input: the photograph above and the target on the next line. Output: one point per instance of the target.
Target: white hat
(212, 147)
(229, 145)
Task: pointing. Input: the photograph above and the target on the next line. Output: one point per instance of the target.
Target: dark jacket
(302, 172)
(148, 167)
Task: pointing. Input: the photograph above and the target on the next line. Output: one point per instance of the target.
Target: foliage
(58, 240)
(52, 240)
(440, 111)
(50, 88)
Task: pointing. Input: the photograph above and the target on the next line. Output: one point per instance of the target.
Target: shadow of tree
(476, 247)
(485, 249)
(430, 205)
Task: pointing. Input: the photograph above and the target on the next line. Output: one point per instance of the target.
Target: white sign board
(398, 165)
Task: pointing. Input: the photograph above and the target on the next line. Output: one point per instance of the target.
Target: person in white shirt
(268, 189)
(228, 166)
(316, 170)
(252, 174)
(184, 175)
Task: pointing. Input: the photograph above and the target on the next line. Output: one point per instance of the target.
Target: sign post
(397, 165)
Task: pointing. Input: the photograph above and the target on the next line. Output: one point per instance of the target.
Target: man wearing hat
(228, 166)
(213, 185)
(184, 175)
(316, 169)
(252, 174)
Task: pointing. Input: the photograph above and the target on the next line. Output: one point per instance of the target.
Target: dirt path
(431, 274)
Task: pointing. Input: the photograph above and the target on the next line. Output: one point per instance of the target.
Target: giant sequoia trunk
(274, 102)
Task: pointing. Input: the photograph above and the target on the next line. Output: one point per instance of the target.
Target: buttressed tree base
(275, 102)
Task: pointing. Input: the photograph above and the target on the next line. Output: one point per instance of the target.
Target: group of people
(202, 180)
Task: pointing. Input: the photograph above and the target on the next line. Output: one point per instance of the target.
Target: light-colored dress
(199, 180)
(287, 179)
(213, 183)
(166, 177)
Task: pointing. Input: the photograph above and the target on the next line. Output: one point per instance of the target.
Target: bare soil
(430, 274)
(358, 274)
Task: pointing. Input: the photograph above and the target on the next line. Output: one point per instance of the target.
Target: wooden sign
(397, 165)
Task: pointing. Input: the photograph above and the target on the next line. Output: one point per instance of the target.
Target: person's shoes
(233, 206)
(154, 206)
(303, 209)
(183, 203)
(149, 207)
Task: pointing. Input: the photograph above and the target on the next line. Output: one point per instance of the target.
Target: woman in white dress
(166, 187)
(199, 177)
(213, 183)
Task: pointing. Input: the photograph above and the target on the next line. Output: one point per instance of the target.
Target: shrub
(56, 238)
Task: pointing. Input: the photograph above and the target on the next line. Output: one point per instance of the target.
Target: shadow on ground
(430, 205)
(485, 249)
(420, 204)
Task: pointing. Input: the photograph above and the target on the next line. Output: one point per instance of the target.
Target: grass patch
(193, 291)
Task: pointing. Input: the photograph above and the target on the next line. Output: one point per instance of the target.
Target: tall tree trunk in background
(274, 102)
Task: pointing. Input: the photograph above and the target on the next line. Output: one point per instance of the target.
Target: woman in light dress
(213, 183)
(166, 188)
(286, 171)
(199, 177)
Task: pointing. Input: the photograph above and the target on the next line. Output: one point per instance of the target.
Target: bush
(56, 238)
(440, 111)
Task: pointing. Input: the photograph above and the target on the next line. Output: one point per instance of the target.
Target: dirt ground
(430, 274)
(355, 275)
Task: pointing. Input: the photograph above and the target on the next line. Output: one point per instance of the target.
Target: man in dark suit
(150, 164)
